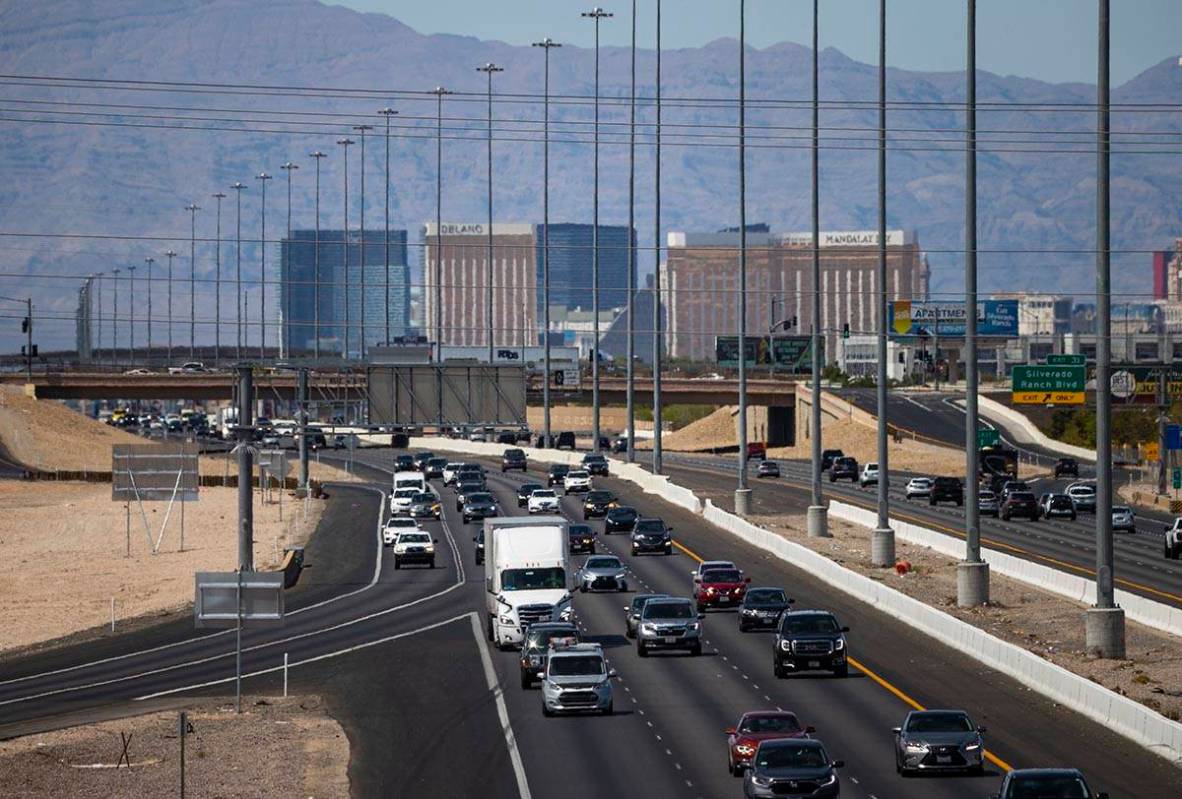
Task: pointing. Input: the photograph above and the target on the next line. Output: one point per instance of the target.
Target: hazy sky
(1051, 40)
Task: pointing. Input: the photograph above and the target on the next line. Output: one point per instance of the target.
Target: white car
(919, 487)
(1123, 519)
(707, 565)
(576, 481)
(869, 475)
(449, 472)
(544, 500)
(1173, 547)
(414, 546)
(396, 525)
(401, 499)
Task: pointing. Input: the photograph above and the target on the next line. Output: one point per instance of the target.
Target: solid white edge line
(377, 573)
(490, 675)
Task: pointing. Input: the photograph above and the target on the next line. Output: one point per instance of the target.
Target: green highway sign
(1048, 385)
(1066, 360)
(987, 437)
(1177, 478)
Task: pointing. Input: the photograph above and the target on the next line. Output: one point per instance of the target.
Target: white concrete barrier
(1072, 586)
(1025, 430)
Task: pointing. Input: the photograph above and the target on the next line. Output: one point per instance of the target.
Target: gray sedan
(602, 573)
(938, 740)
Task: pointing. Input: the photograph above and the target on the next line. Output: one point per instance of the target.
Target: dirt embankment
(276, 747)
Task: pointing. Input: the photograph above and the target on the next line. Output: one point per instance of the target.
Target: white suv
(396, 525)
(1174, 540)
(414, 546)
(869, 475)
(919, 487)
(576, 481)
(544, 500)
(401, 499)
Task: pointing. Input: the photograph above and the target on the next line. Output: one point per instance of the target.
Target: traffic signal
(845, 330)
(25, 351)
(25, 325)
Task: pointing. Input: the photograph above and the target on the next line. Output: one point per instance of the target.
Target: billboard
(911, 318)
(786, 353)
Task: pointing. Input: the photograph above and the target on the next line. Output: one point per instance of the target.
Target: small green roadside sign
(987, 437)
(1177, 477)
(1066, 360)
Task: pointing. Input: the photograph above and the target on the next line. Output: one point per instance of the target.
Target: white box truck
(526, 575)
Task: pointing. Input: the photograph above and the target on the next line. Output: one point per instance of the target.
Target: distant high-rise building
(572, 259)
(298, 289)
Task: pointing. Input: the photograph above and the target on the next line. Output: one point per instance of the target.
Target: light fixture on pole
(262, 178)
(192, 208)
(362, 254)
(387, 113)
(489, 69)
(316, 260)
(115, 318)
(131, 311)
(238, 187)
(285, 282)
(345, 144)
(149, 261)
(217, 281)
(631, 370)
(547, 45)
(439, 92)
(170, 255)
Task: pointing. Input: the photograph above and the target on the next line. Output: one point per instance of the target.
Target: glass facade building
(571, 258)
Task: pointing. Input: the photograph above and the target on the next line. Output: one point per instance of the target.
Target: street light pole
(131, 313)
(98, 289)
(364, 261)
(439, 91)
(817, 519)
(262, 178)
(170, 255)
(631, 373)
(217, 281)
(657, 268)
(316, 259)
(238, 187)
(742, 493)
(387, 113)
(345, 144)
(489, 69)
(1105, 622)
(285, 282)
(115, 319)
(149, 261)
(547, 45)
(882, 542)
(596, 14)
(192, 208)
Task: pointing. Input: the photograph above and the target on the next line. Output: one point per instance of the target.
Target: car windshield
(414, 538)
(543, 493)
(986, 495)
(1121, 509)
(600, 496)
(649, 526)
(514, 453)
(423, 498)
(616, 513)
(480, 497)
(811, 623)
(668, 610)
(400, 522)
(593, 459)
(559, 469)
(533, 579)
(541, 640)
(528, 488)
(576, 665)
(939, 722)
(605, 562)
(1041, 787)
(470, 485)
(405, 492)
(722, 576)
(580, 530)
(641, 601)
(760, 724)
(1024, 496)
(577, 475)
(437, 462)
(920, 481)
(1081, 490)
(759, 596)
(783, 756)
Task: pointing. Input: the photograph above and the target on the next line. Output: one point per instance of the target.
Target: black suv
(536, 647)
(810, 640)
(843, 468)
(582, 539)
(513, 459)
(828, 457)
(595, 464)
(619, 520)
(651, 535)
(506, 437)
(421, 459)
(946, 489)
(565, 439)
(1020, 503)
(405, 463)
(556, 474)
(479, 539)
(1067, 466)
(761, 607)
(597, 503)
(524, 490)
(434, 468)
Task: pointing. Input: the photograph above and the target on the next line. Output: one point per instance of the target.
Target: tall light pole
(285, 283)
(98, 290)
(1105, 622)
(972, 574)
(657, 268)
(547, 45)
(387, 113)
(262, 178)
(439, 91)
(882, 541)
(345, 144)
(364, 261)
(149, 261)
(316, 259)
(192, 208)
(131, 312)
(238, 187)
(170, 255)
(489, 69)
(818, 526)
(596, 14)
(742, 493)
(631, 390)
(115, 318)
(217, 282)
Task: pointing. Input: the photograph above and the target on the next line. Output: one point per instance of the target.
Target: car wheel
(547, 712)
(583, 588)
(842, 671)
(397, 563)
(592, 550)
(779, 671)
(743, 627)
(701, 608)
(633, 551)
(696, 650)
(977, 770)
(526, 680)
(607, 711)
(491, 634)
(629, 632)
(432, 563)
(959, 502)
(669, 550)
(641, 649)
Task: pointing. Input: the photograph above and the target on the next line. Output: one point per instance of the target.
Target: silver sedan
(938, 740)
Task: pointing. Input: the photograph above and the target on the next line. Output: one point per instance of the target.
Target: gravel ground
(1049, 626)
(277, 747)
(45, 434)
(861, 442)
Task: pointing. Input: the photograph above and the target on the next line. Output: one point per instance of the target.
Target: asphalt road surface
(402, 664)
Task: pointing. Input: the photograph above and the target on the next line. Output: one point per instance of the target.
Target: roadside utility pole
(818, 520)
(244, 433)
(742, 492)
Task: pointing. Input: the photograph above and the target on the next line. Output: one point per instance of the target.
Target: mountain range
(98, 175)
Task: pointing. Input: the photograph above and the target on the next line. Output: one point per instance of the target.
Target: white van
(415, 480)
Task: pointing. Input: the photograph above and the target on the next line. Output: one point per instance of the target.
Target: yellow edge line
(882, 681)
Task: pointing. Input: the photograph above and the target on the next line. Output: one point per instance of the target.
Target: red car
(720, 588)
(765, 725)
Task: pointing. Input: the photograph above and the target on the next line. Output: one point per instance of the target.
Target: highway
(401, 665)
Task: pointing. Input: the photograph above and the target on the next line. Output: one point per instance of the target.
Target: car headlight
(839, 644)
(535, 660)
(915, 746)
(832, 778)
(621, 574)
(566, 613)
(746, 750)
(973, 747)
(786, 645)
(553, 686)
(710, 589)
(507, 620)
(648, 628)
(761, 780)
